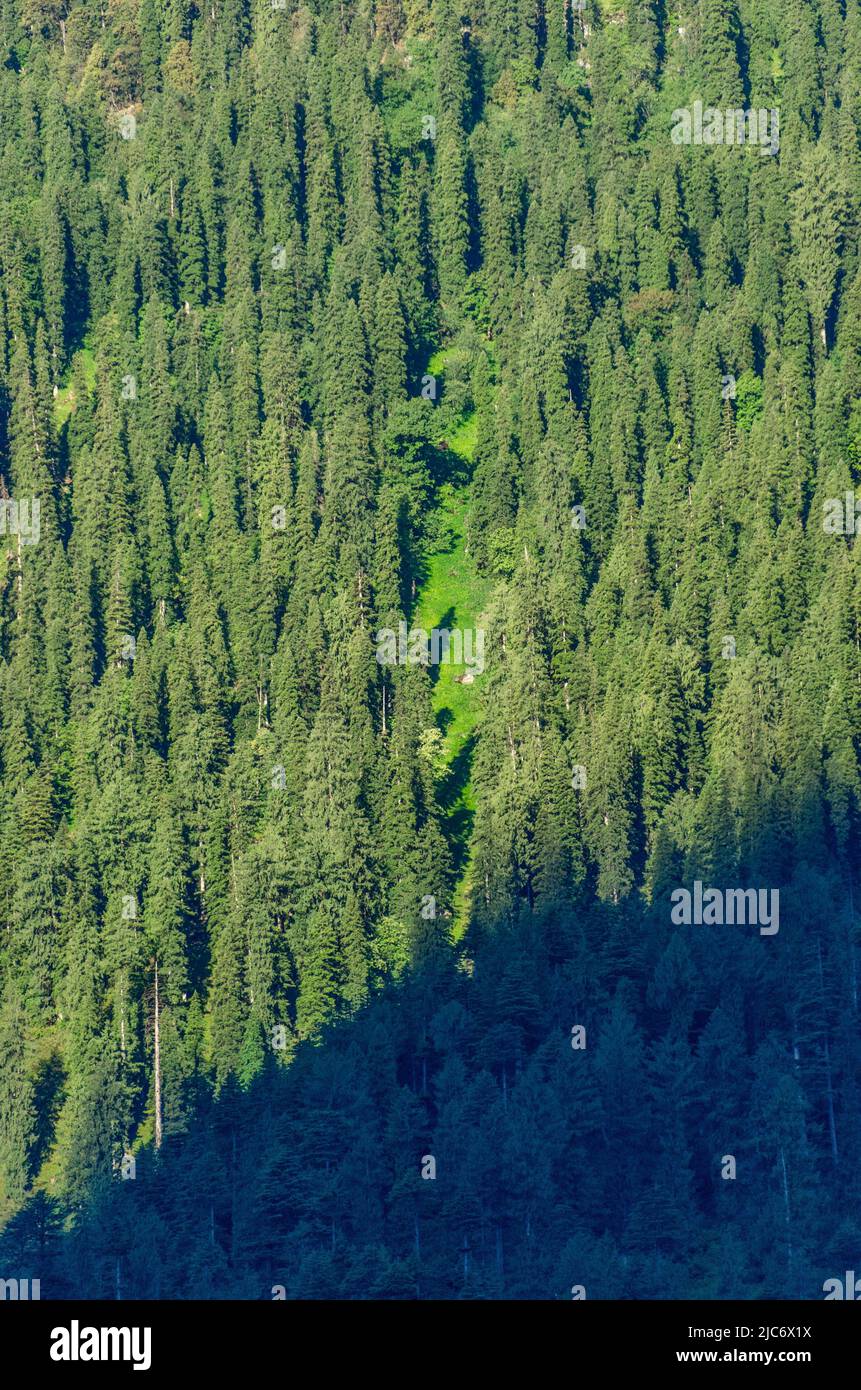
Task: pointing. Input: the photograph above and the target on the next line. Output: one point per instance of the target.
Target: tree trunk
(158, 1128)
(829, 1085)
(788, 1210)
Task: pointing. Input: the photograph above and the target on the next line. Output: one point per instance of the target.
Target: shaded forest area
(346, 979)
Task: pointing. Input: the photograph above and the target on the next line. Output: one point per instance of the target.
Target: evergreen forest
(335, 964)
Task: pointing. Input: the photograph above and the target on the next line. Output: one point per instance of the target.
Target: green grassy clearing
(454, 596)
(64, 401)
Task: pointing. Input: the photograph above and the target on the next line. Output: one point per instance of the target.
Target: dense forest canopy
(326, 970)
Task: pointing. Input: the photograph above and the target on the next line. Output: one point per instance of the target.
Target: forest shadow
(459, 817)
(49, 1094)
(435, 667)
(451, 1138)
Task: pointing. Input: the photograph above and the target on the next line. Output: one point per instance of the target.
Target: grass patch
(453, 596)
(65, 399)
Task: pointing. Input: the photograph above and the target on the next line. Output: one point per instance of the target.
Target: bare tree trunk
(829, 1086)
(832, 1123)
(158, 1126)
(789, 1251)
